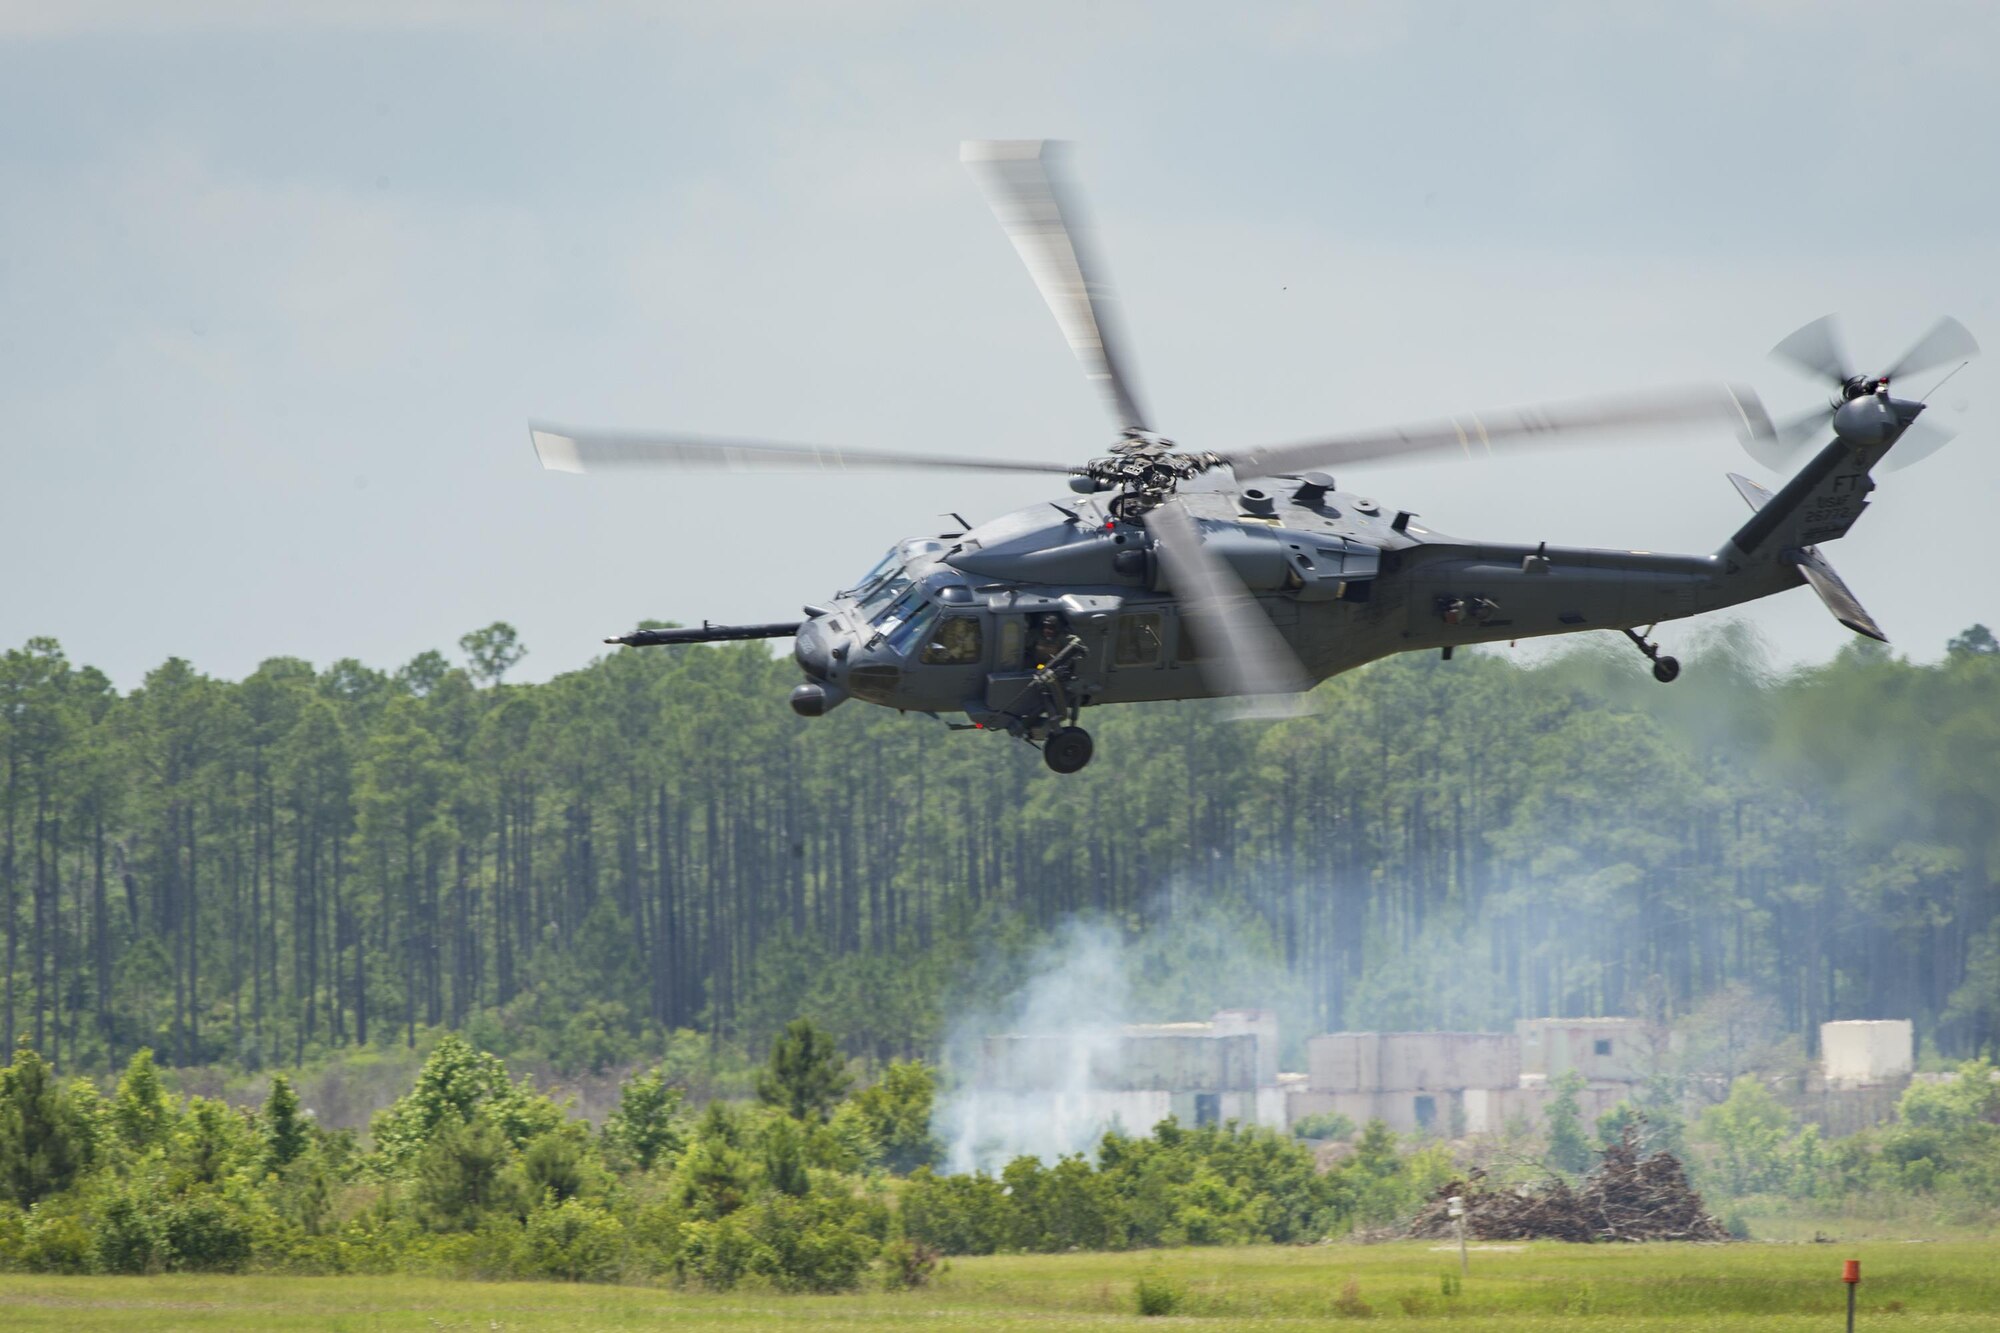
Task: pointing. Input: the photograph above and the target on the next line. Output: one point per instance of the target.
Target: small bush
(127, 1239)
(205, 1235)
(1325, 1125)
(809, 1244)
(907, 1265)
(714, 1254)
(955, 1214)
(573, 1242)
(1155, 1296)
(54, 1239)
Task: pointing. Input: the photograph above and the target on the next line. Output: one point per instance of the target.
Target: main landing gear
(1665, 669)
(1067, 749)
(1051, 715)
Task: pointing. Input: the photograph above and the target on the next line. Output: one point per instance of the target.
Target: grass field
(1909, 1285)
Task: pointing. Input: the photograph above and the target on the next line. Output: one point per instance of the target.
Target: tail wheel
(1666, 670)
(1067, 749)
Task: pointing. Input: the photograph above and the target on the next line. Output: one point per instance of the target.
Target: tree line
(262, 871)
(814, 1186)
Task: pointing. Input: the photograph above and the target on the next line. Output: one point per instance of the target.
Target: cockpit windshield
(882, 593)
(887, 565)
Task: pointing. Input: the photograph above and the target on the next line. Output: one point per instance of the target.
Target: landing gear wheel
(1067, 749)
(1666, 670)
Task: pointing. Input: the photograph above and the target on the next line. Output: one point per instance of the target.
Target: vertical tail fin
(1832, 590)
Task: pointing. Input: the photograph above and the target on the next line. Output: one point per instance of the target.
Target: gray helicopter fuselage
(950, 624)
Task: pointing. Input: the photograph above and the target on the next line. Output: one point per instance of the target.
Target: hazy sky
(280, 293)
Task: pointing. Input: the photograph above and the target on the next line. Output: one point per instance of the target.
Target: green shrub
(907, 1265)
(646, 1127)
(806, 1076)
(1153, 1296)
(572, 1241)
(653, 1235)
(1751, 1133)
(286, 1132)
(462, 1175)
(560, 1164)
(813, 1244)
(1569, 1148)
(966, 1214)
(783, 1143)
(55, 1237)
(1325, 1125)
(1062, 1207)
(44, 1142)
(714, 1254)
(456, 1084)
(897, 1113)
(204, 1234)
(713, 1178)
(127, 1238)
(141, 1111)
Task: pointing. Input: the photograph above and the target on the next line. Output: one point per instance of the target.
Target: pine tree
(286, 1133)
(43, 1141)
(805, 1078)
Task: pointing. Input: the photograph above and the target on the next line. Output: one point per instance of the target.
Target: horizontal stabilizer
(1839, 599)
(1835, 594)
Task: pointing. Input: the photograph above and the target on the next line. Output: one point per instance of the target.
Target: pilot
(957, 640)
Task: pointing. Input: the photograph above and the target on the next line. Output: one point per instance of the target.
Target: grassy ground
(1910, 1285)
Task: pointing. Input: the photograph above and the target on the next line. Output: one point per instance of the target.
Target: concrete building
(1454, 1083)
(1133, 1076)
(1603, 1050)
(1074, 1085)
(1859, 1053)
(1412, 1081)
(1864, 1067)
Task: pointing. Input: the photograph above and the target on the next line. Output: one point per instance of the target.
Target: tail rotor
(1819, 351)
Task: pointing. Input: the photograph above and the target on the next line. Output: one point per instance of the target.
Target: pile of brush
(1627, 1198)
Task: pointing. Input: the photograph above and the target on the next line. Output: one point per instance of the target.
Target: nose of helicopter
(812, 648)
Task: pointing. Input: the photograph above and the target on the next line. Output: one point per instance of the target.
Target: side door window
(1137, 643)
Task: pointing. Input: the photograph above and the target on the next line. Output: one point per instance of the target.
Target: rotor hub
(1146, 469)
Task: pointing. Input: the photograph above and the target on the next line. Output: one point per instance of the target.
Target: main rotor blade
(567, 449)
(1243, 655)
(1024, 183)
(1816, 350)
(1948, 340)
(1735, 404)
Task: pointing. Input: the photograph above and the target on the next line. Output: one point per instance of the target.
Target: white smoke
(1076, 993)
(1076, 997)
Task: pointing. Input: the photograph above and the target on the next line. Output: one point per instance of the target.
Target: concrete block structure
(1133, 1076)
(1412, 1081)
(1454, 1083)
(1603, 1050)
(1861, 1053)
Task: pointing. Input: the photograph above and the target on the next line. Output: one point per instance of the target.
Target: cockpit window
(882, 594)
(887, 565)
(957, 642)
(913, 631)
(905, 605)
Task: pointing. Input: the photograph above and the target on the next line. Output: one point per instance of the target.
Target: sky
(282, 286)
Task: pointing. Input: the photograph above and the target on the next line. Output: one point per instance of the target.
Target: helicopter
(1156, 578)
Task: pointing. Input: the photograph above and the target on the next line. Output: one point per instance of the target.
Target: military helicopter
(1153, 579)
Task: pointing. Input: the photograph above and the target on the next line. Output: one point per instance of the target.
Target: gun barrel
(707, 633)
